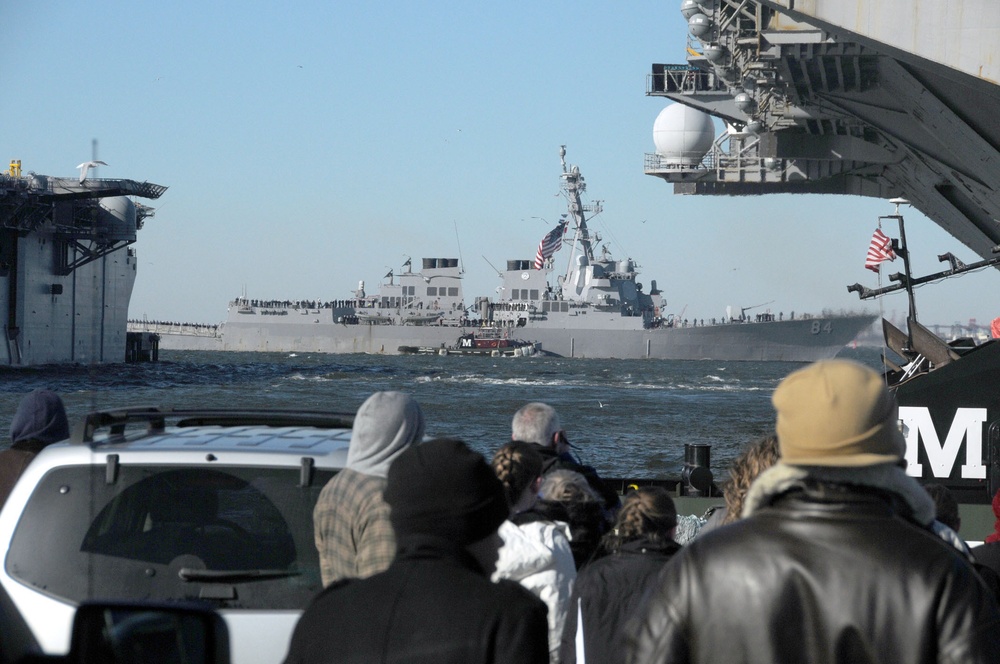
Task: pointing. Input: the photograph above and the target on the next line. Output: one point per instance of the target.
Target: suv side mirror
(134, 633)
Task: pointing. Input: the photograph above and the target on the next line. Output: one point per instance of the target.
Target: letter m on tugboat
(951, 419)
(941, 456)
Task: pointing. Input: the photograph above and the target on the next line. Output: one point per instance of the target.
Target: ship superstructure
(417, 308)
(602, 284)
(66, 265)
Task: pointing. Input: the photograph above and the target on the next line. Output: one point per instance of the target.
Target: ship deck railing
(189, 329)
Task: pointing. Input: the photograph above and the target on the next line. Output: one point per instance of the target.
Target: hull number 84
(825, 328)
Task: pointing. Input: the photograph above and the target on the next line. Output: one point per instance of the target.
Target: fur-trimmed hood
(782, 477)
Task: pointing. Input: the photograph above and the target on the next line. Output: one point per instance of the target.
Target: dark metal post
(697, 474)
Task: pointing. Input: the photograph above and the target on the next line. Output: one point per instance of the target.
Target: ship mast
(574, 185)
(907, 281)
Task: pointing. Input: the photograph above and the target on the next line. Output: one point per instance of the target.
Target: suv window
(241, 537)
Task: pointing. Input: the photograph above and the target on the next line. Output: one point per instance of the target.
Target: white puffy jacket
(537, 555)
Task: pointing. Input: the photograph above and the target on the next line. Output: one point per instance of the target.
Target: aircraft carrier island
(67, 267)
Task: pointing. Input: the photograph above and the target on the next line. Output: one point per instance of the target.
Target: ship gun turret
(744, 310)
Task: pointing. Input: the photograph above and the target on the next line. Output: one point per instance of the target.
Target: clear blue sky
(311, 145)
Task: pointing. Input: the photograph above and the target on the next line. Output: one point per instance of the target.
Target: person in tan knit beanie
(835, 559)
(837, 413)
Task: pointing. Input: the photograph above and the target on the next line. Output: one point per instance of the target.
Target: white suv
(217, 508)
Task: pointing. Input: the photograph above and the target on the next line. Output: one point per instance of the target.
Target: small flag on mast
(879, 250)
(550, 244)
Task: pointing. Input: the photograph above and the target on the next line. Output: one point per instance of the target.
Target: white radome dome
(116, 218)
(714, 53)
(689, 8)
(745, 102)
(683, 135)
(699, 25)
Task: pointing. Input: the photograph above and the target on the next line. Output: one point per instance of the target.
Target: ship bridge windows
(453, 291)
(432, 291)
(524, 294)
(410, 290)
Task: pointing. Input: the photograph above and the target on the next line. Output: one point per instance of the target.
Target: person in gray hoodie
(351, 519)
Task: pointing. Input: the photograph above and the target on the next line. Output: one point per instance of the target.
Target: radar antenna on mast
(458, 241)
(499, 273)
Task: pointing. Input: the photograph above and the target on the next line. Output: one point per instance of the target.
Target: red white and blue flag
(879, 250)
(550, 244)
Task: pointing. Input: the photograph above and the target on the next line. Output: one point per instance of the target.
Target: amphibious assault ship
(594, 308)
(66, 267)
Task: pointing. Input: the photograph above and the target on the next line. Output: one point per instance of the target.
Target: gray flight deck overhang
(895, 98)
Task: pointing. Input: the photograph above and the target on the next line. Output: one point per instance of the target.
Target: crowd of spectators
(824, 551)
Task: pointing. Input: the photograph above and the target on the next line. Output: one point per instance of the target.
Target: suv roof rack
(155, 419)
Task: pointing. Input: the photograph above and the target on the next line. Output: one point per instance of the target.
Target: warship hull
(83, 323)
(802, 340)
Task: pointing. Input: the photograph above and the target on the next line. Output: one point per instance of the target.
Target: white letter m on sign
(968, 424)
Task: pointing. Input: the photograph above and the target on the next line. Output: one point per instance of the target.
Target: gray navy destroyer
(67, 267)
(594, 308)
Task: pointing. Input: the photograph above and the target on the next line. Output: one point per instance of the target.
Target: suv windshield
(241, 537)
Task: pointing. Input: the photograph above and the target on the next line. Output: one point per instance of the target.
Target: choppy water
(629, 418)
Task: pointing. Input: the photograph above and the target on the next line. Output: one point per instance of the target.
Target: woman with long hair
(755, 458)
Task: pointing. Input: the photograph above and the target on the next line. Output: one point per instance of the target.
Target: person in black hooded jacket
(609, 587)
(435, 603)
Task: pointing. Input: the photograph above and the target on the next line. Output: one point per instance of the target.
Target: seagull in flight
(87, 165)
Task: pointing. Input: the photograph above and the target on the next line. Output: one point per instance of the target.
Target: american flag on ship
(879, 250)
(550, 244)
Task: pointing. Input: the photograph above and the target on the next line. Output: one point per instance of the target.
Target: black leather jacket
(824, 573)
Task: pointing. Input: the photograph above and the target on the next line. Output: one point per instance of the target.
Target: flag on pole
(879, 250)
(550, 244)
